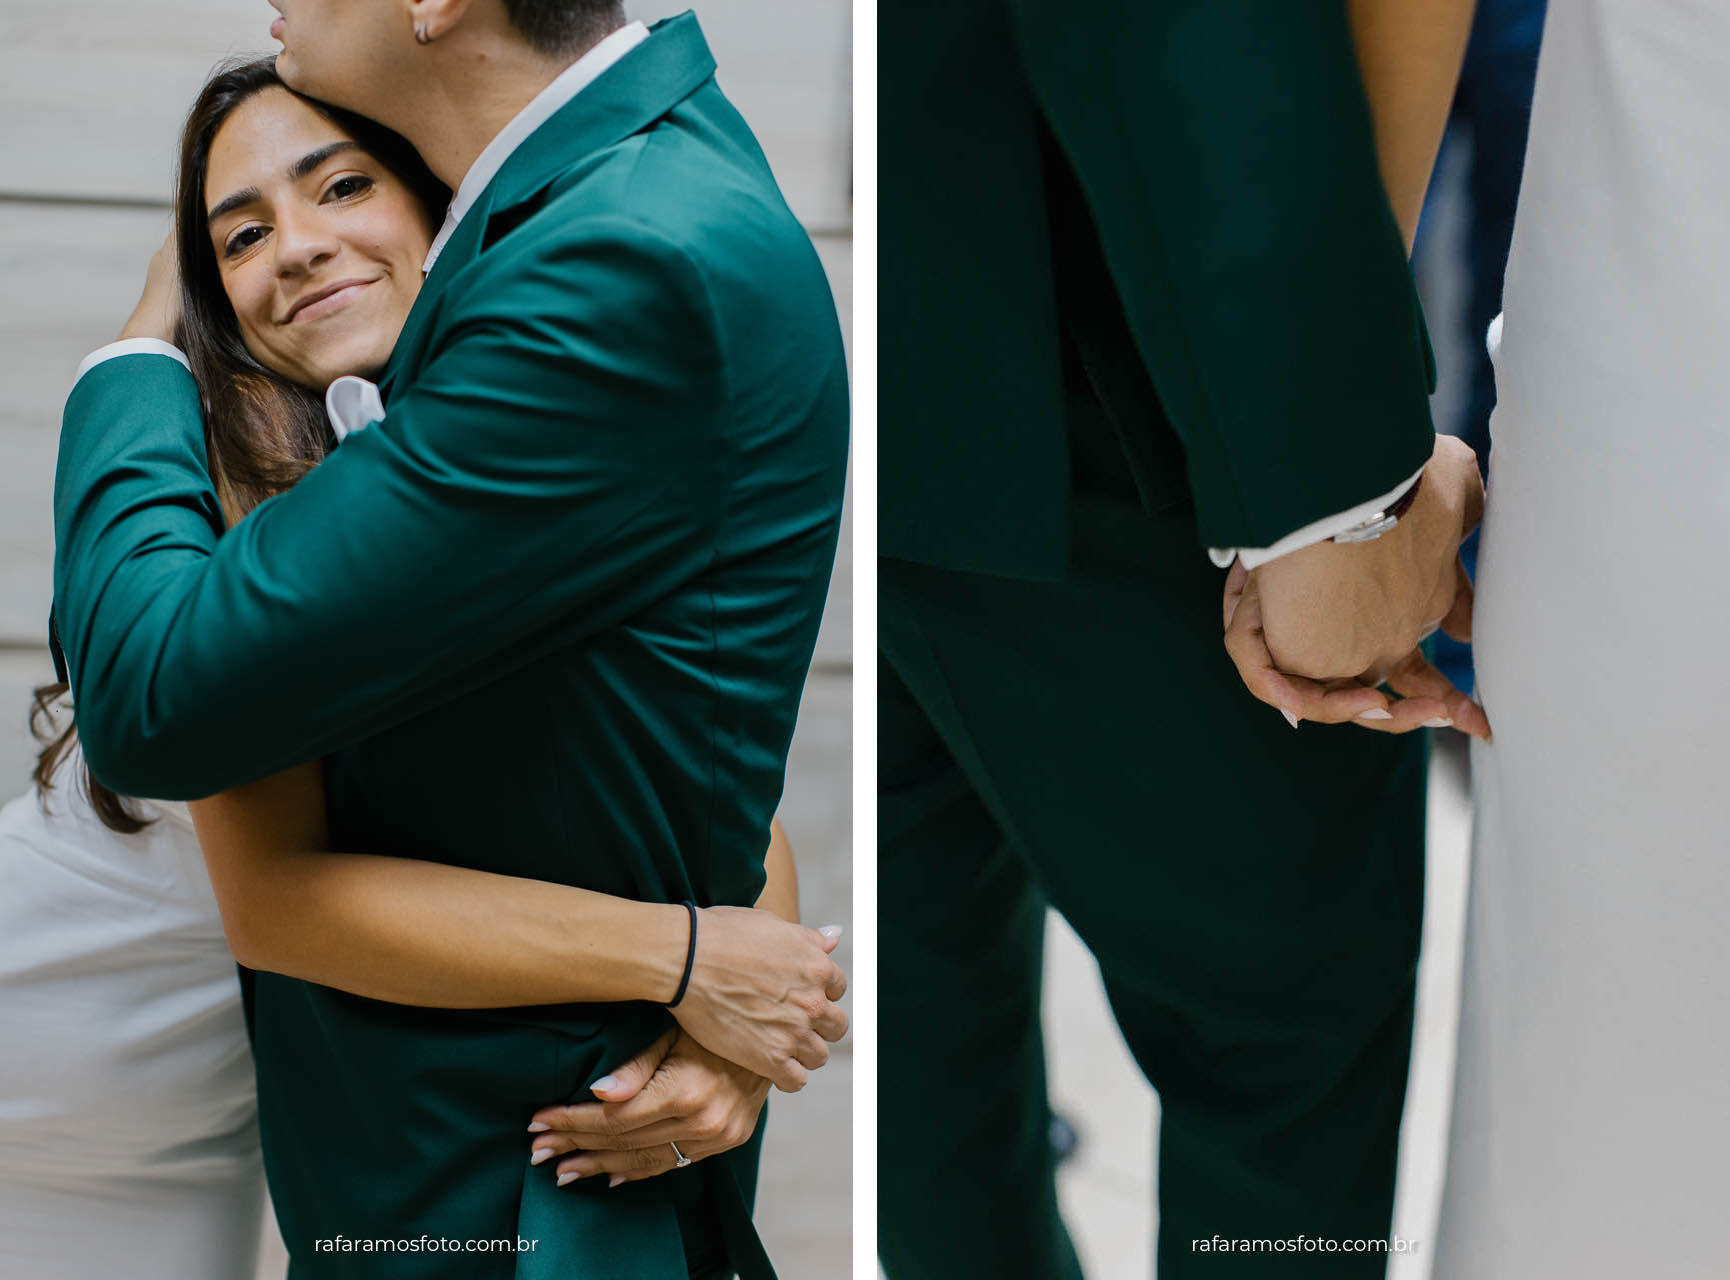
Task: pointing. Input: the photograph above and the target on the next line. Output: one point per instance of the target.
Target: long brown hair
(262, 432)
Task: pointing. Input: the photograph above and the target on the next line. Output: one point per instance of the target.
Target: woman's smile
(326, 300)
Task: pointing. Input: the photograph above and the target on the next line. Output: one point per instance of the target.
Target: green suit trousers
(1253, 896)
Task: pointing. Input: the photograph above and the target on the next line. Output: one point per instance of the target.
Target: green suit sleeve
(553, 468)
(1227, 156)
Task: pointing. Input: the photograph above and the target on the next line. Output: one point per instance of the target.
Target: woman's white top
(127, 1107)
(1591, 1132)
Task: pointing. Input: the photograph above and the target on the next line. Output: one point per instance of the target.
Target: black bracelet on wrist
(690, 958)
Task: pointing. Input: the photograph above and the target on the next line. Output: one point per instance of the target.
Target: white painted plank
(835, 634)
(93, 92)
(817, 805)
(835, 639)
(26, 535)
(20, 672)
(787, 65)
(70, 275)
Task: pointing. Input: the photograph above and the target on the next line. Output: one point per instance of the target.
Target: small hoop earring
(420, 36)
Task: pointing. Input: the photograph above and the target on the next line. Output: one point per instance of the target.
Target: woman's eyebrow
(228, 204)
(307, 164)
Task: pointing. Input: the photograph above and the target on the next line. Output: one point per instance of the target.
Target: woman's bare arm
(1409, 53)
(781, 889)
(425, 933)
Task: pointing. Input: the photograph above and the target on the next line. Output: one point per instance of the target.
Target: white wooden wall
(92, 94)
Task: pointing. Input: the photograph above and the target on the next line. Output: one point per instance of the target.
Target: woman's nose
(302, 244)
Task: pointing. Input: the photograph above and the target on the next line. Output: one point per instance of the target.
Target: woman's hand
(763, 994)
(675, 1091)
(158, 310)
(1315, 631)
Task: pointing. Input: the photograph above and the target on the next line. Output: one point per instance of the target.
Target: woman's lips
(276, 28)
(330, 302)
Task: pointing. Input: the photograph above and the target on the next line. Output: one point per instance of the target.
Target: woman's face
(318, 245)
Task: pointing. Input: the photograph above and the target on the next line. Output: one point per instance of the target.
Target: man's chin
(294, 75)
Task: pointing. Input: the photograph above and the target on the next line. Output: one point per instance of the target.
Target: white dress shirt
(1320, 531)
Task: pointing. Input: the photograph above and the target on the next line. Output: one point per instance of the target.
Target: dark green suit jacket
(551, 618)
(1249, 323)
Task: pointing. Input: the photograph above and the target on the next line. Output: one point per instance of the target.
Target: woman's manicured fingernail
(605, 1083)
(567, 1178)
(1376, 713)
(1440, 722)
(535, 1126)
(830, 931)
(541, 1156)
(615, 1180)
(1290, 718)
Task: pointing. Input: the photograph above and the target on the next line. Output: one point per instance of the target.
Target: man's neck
(458, 112)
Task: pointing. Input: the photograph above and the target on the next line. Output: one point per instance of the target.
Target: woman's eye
(350, 185)
(243, 240)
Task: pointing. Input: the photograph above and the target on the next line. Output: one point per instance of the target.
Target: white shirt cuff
(352, 404)
(1320, 531)
(133, 347)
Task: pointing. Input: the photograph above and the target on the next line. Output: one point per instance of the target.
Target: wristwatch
(1373, 527)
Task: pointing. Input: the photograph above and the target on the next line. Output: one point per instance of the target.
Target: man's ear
(435, 18)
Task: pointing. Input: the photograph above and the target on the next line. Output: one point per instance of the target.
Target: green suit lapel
(628, 97)
(460, 250)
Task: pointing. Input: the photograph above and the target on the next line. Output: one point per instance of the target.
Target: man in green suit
(550, 616)
(1143, 299)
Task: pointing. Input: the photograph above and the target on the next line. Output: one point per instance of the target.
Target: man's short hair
(564, 26)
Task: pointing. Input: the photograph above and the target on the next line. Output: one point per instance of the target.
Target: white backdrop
(92, 94)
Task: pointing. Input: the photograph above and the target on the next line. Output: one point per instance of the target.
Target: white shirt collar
(543, 107)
